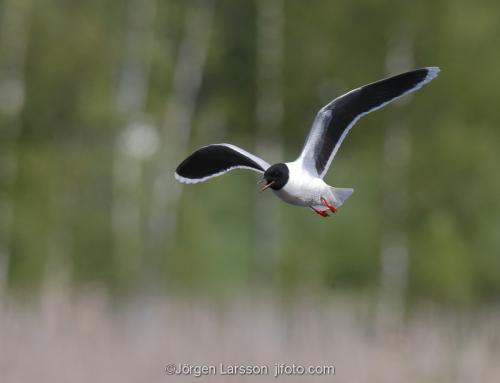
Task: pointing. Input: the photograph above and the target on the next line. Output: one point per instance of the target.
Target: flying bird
(301, 182)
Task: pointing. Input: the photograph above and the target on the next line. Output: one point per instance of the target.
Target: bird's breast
(302, 191)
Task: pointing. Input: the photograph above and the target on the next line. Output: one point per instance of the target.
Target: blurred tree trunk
(394, 252)
(176, 130)
(14, 28)
(136, 141)
(269, 117)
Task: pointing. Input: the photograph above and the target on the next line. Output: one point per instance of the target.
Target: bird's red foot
(328, 204)
(322, 213)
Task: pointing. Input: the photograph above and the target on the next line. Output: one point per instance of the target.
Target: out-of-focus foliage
(79, 166)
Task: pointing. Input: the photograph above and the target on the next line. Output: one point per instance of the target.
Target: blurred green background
(101, 99)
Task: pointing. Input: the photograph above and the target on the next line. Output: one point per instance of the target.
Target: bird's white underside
(304, 189)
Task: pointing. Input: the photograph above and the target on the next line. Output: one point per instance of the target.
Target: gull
(300, 182)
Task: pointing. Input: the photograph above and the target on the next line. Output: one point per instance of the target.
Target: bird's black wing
(215, 160)
(333, 121)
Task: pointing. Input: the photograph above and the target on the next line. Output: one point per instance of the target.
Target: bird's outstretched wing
(215, 160)
(333, 121)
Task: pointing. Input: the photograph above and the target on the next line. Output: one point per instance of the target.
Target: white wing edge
(185, 180)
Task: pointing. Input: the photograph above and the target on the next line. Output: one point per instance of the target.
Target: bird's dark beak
(267, 186)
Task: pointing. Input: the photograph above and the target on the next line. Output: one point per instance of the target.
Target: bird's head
(275, 177)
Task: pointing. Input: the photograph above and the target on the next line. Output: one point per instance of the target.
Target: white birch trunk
(137, 140)
(394, 253)
(176, 130)
(269, 117)
(14, 27)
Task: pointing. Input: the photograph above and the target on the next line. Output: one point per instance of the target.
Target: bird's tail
(339, 195)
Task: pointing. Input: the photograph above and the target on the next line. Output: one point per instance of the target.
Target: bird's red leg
(328, 204)
(322, 213)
